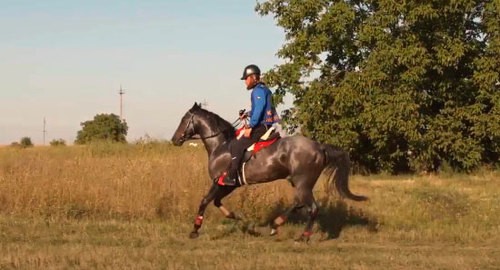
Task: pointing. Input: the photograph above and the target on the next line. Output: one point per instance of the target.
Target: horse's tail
(337, 169)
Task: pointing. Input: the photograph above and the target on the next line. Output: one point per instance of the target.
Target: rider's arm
(258, 106)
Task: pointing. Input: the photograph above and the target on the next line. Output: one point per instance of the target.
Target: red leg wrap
(198, 221)
(280, 220)
(307, 233)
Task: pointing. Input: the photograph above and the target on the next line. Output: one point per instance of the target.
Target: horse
(296, 158)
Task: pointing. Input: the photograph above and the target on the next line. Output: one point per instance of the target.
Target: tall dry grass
(159, 181)
(113, 181)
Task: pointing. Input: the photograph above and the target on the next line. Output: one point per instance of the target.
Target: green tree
(404, 85)
(26, 142)
(104, 127)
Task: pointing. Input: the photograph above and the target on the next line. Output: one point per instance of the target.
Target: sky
(66, 60)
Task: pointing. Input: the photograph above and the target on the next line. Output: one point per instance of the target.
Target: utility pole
(121, 92)
(44, 130)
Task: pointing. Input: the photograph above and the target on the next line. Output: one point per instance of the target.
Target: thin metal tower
(44, 130)
(121, 92)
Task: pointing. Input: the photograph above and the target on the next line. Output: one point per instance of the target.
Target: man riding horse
(262, 116)
(298, 159)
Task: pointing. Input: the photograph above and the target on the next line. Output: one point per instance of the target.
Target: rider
(262, 116)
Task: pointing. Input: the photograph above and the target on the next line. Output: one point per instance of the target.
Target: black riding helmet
(249, 70)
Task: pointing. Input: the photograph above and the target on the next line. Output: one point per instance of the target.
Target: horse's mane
(217, 122)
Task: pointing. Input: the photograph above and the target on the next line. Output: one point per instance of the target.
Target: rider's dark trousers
(237, 148)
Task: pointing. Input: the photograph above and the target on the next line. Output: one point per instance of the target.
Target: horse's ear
(196, 105)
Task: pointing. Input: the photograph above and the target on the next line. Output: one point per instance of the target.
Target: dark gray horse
(296, 158)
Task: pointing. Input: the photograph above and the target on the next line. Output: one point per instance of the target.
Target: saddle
(270, 137)
(265, 140)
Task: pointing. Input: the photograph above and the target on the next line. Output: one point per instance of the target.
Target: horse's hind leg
(307, 198)
(303, 198)
(224, 191)
(280, 220)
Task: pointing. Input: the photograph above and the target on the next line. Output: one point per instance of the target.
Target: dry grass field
(132, 207)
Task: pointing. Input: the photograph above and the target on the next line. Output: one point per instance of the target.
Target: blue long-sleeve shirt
(262, 107)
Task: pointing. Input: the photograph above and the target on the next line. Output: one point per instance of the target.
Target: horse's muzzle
(178, 141)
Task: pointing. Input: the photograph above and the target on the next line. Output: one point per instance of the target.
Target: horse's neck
(211, 144)
(224, 133)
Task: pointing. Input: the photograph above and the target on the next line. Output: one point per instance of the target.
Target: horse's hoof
(253, 232)
(194, 235)
(303, 239)
(250, 229)
(273, 232)
(232, 215)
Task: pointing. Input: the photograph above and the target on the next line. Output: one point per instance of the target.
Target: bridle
(190, 123)
(183, 135)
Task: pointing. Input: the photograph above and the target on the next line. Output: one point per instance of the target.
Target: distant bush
(26, 142)
(58, 142)
(147, 140)
(15, 144)
(104, 127)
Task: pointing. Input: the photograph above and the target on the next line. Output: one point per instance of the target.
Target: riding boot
(228, 179)
(232, 178)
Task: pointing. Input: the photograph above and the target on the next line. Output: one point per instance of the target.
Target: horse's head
(186, 129)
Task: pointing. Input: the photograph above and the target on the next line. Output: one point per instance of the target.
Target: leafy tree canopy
(104, 127)
(404, 85)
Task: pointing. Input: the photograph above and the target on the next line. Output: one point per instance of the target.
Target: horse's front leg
(216, 194)
(198, 221)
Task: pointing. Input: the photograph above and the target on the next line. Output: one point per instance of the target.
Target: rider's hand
(242, 114)
(247, 133)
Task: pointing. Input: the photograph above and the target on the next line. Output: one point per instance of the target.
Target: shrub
(58, 142)
(26, 142)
